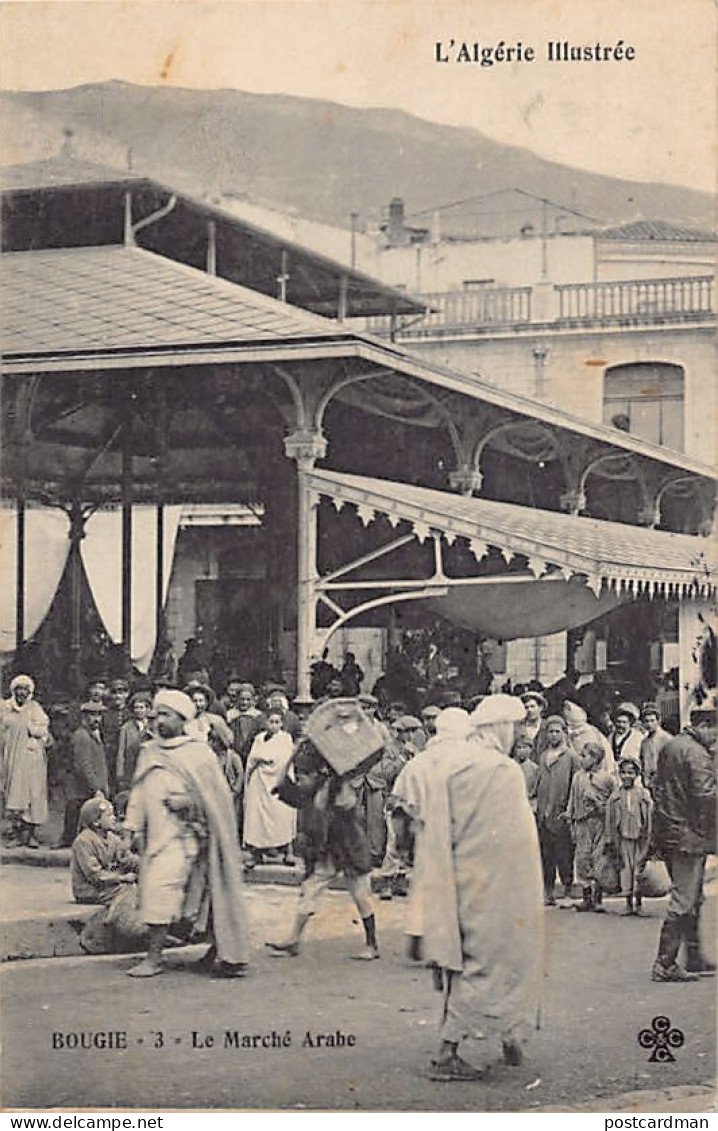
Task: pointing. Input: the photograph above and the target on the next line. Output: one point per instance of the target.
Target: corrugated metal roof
(608, 552)
(656, 230)
(71, 299)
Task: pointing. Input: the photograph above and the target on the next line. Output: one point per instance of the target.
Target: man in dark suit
(88, 769)
(117, 713)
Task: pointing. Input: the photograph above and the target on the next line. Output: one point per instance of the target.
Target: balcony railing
(637, 299)
(453, 310)
(629, 302)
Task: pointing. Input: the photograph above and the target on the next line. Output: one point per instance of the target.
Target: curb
(60, 858)
(55, 933)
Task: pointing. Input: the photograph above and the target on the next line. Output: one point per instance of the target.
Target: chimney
(395, 231)
(67, 149)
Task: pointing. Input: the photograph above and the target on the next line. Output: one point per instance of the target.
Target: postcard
(359, 424)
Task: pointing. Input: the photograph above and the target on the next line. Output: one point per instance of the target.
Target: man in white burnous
(181, 809)
(480, 873)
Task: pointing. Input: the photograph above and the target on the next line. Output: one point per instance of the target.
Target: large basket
(345, 736)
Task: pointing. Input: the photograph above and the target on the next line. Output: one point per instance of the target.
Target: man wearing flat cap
(557, 766)
(429, 715)
(684, 793)
(88, 773)
(191, 866)
(117, 713)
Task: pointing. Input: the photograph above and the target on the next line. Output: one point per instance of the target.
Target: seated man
(103, 871)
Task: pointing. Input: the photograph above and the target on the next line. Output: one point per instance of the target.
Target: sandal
(230, 970)
(289, 949)
(454, 1069)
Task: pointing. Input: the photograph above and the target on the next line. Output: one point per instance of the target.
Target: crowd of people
(474, 810)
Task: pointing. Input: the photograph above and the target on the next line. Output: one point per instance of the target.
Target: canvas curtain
(512, 612)
(47, 545)
(101, 551)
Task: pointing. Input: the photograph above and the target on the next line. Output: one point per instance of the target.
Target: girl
(268, 822)
(587, 801)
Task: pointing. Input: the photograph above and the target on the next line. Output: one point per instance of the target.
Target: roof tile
(66, 299)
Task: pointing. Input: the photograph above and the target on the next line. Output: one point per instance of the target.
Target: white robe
(268, 822)
(411, 789)
(479, 870)
(24, 734)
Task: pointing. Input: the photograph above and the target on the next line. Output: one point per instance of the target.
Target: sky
(652, 118)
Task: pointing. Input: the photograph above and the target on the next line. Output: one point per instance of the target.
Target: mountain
(323, 159)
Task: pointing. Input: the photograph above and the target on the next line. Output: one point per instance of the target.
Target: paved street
(598, 995)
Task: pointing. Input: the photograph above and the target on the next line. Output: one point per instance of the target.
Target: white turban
(453, 722)
(177, 701)
(498, 709)
(493, 722)
(574, 714)
(22, 681)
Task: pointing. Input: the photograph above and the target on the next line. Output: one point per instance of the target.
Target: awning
(608, 558)
(521, 611)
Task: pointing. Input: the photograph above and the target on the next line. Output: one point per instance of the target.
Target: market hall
(134, 384)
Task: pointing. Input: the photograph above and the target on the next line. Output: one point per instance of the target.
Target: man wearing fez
(191, 866)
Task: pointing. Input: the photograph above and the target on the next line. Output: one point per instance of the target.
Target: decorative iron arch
(512, 425)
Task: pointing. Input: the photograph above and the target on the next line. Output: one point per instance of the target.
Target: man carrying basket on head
(340, 742)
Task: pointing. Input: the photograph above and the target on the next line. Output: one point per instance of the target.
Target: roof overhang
(123, 309)
(85, 204)
(349, 347)
(609, 557)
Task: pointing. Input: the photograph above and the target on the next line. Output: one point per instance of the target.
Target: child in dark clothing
(523, 753)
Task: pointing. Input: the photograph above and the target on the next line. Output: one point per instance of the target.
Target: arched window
(646, 399)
